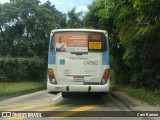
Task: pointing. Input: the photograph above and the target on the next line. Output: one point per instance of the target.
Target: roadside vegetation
(24, 36)
(9, 89)
(133, 27)
(151, 97)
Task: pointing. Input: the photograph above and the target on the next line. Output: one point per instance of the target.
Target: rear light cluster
(106, 74)
(51, 76)
(105, 77)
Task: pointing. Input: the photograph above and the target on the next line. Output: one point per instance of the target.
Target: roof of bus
(88, 30)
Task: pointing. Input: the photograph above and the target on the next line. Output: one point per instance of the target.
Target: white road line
(56, 97)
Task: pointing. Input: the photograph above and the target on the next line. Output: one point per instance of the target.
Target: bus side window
(52, 46)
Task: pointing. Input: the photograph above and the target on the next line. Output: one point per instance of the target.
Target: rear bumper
(78, 88)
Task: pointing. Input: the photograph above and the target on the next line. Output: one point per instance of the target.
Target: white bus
(78, 61)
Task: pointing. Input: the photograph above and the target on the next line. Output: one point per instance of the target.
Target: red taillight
(50, 73)
(105, 77)
(51, 76)
(106, 74)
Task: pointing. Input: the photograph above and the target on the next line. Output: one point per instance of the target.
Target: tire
(53, 93)
(105, 93)
(98, 95)
(65, 95)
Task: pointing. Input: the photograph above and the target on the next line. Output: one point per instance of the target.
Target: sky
(66, 5)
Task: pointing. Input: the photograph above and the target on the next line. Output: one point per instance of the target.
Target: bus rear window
(79, 41)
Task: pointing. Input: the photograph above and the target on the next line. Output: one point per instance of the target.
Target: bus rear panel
(78, 61)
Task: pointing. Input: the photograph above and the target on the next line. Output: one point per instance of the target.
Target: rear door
(79, 57)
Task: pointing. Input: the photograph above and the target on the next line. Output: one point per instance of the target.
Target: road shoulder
(133, 103)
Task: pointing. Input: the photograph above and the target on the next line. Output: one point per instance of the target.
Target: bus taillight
(51, 76)
(50, 71)
(106, 74)
(105, 77)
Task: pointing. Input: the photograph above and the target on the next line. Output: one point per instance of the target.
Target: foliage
(25, 27)
(22, 69)
(74, 20)
(152, 98)
(134, 27)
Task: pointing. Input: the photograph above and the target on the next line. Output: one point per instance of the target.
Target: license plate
(78, 78)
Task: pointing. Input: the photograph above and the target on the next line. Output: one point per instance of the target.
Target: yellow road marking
(74, 111)
(28, 107)
(52, 108)
(7, 106)
(18, 104)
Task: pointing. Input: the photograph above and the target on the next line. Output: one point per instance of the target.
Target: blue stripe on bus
(105, 58)
(105, 54)
(51, 53)
(52, 57)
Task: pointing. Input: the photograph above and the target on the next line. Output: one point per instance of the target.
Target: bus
(78, 61)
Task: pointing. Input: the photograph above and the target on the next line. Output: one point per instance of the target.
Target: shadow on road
(86, 99)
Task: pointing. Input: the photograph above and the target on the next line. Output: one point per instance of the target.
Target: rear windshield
(79, 41)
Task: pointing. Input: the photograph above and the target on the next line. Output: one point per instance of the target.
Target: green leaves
(21, 69)
(133, 26)
(25, 27)
(74, 20)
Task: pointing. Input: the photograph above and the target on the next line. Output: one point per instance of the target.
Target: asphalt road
(79, 107)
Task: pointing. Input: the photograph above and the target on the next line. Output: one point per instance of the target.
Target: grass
(143, 94)
(151, 97)
(19, 88)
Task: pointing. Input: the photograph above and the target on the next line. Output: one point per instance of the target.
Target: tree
(25, 27)
(74, 20)
(133, 26)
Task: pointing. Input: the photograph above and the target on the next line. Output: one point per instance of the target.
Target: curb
(124, 98)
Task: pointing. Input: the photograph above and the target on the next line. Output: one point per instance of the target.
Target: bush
(22, 69)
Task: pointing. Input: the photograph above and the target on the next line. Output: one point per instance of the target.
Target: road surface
(57, 107)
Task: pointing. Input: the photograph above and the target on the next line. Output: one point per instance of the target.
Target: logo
(6, 114)
(62, 61)
(21, 114)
